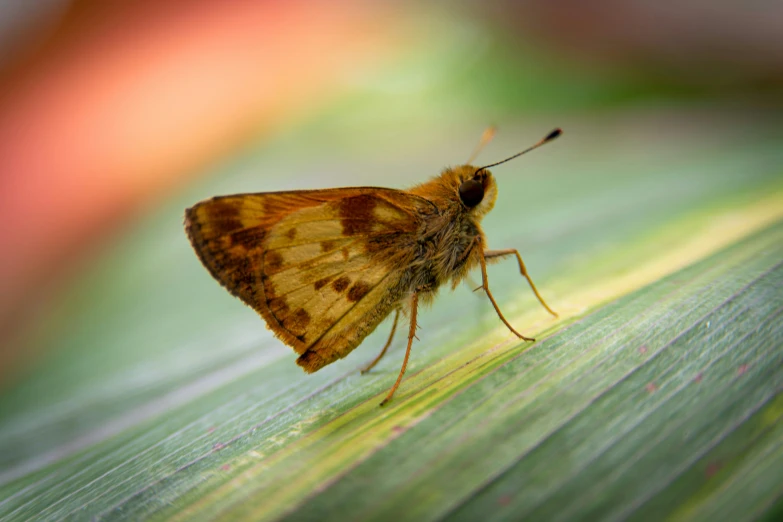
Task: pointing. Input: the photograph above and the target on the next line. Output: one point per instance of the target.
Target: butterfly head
(476, 189)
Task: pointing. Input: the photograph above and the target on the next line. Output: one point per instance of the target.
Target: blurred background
(115, 115)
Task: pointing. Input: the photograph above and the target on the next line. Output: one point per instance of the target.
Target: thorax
(444, 250)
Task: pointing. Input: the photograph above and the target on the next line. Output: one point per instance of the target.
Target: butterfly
(324, 268)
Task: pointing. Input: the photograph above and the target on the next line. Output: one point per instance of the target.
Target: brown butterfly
(325, 267)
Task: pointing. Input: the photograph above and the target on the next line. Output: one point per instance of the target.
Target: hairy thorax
(448, 242)
(445, 249)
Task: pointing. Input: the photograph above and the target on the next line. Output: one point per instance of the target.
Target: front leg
(485, 286)
(489, 254)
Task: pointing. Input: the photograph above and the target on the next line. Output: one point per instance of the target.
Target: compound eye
(471, 192)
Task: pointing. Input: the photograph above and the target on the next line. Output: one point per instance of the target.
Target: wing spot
(358, 290)
(327, 246)
(300, 319)
(357, 214)
(248, 237)
(222, 217)
(296, 323)
(291, 233)
(278, 307)
(269, 288)
(273, 262)
(321, 283)
(341, 284)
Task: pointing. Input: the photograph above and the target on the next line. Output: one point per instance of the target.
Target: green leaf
(656, 394)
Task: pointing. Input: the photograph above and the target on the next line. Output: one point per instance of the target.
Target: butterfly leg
(489, 254)
(386, 346)
(485, 286)
(411, 335)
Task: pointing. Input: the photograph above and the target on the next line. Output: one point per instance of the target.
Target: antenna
(549, 137)
(486, 137)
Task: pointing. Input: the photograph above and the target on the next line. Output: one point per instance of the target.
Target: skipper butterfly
(325, 267)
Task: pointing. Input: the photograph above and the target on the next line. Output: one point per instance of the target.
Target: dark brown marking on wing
(248, 237)
(222, 216)
(269, 288)
(291, 233)
(358, 290)
(243, 276)
(278, 307)
(357, 214)
(346, 254)
(273, 262)
(311, 361)
(236, 267)
(321, 283)
(327, 246)
(341, 284)
(298, 321)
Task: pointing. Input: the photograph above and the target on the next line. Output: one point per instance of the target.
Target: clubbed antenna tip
(552, 135)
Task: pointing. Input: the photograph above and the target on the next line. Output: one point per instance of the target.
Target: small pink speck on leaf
(218, 446)
(742, 369)
(643, 349)
(504, 500)
(398, 429)
(699, 377)
(225, 467)
(651, 387)
(712, 469)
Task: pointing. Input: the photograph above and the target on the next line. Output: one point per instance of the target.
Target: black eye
(471, 192)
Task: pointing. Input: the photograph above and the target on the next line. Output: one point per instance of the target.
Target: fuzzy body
(448, 242)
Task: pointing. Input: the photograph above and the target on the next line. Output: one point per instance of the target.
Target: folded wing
(321, 267)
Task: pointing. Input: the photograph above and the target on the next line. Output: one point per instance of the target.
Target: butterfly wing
(323, 268)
